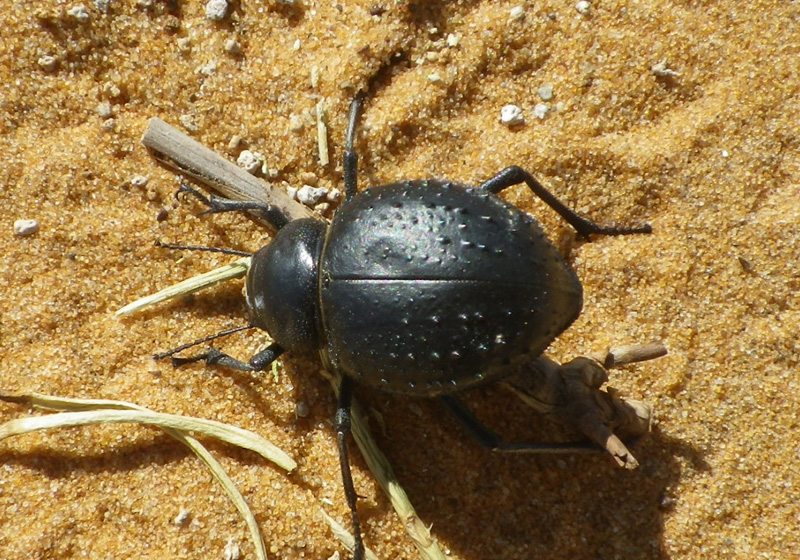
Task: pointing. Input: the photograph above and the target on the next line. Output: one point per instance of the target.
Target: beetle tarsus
(178, 362)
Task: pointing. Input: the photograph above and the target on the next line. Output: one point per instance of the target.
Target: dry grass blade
(236, 269)
(344, 536)
(91, 411)
(229, 434)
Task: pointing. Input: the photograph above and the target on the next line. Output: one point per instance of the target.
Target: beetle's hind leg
(515, 175)
(491, 441)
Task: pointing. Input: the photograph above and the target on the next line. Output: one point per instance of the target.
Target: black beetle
(423, 287)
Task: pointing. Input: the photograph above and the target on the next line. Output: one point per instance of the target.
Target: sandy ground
(704, 147)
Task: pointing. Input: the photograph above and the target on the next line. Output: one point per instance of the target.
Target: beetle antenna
(209, 338)
(201, 248)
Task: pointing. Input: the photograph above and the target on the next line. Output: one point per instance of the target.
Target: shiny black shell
(429, 287)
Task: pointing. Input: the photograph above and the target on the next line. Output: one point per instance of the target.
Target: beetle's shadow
(493, 505)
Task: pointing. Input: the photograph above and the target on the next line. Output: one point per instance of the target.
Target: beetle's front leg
(214, 357)
(217, 204)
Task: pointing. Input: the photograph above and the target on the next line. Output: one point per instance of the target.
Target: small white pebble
(111, 90)
(23, 228)
(234, 143)
(184, 44)
(251, 162)
(725, 153)
(517, 12)
(47, 63)
(182, 518)
(232, 551)
(79, 12)
(208, 69)
(232, 47)
(102, 5)
(583, 7)
(545, 92)
(434, 78)
(109, 125)
(314, 77)
(292, 192)
(296, 123)
(540, 110)
(662, 70)
(453, 39)
(334, 195)
(139, 181)
(104, 110)
(296, 45)
(188, 122)
(216, 10)
(309, 178)
(309, 195)
(511, 115)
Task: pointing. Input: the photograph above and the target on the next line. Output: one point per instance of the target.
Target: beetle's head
(282, 285)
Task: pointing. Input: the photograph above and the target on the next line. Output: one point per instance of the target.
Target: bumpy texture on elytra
(430, 286)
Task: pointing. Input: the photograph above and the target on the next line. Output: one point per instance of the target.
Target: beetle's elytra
(417, 287)
(423, 287)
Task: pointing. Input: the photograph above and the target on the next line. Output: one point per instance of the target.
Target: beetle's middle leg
(515, 175)
(343, 427)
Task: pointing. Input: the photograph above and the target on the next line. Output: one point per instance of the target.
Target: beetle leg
(491, 441)
(342, 430)
(214, 357)
(515, 175)
(217, 204)
(265, 357)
